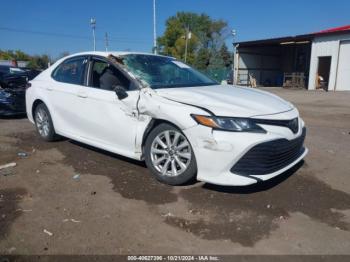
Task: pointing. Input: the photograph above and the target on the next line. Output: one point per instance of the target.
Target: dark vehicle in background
(31, 73)
(13, 81)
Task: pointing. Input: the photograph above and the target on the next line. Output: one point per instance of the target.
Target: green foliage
(225, 55)
(206, 47)
(35, 62)
(202, 59)
(39, 62)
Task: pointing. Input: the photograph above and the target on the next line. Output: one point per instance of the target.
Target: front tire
(169, 155)
(44, 124)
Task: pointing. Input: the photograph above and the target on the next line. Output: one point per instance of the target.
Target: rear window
(71, 71)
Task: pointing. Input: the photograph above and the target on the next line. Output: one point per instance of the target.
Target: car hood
(225, 100)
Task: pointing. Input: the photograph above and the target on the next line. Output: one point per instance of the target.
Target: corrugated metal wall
(326, 46)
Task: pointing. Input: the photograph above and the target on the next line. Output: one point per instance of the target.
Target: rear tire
(44, 124)
(169, 155)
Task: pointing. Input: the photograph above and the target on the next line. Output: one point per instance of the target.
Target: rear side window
(71, 71)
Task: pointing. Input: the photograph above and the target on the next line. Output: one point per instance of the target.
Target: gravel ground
(69, 198)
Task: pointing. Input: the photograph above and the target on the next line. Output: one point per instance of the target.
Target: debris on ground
(22, 154)
(6, 172)
(76, 177)
(167, 215)
(93, 193)
(268, 206)
(13, 164)
(23, 210)
(72, 220)
(48, 233)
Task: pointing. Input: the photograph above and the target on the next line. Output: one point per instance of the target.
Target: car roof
(114, 53)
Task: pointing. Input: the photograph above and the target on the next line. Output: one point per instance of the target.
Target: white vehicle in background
(158, 109)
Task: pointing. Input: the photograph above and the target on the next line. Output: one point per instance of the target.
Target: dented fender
(151, 106)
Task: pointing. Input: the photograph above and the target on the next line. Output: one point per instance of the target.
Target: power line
(111, 39)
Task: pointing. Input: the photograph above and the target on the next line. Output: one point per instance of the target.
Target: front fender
(157, 107)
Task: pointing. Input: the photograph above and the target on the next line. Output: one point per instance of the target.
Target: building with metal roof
(319, 60)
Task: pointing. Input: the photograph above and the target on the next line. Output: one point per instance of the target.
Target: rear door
(65, 96)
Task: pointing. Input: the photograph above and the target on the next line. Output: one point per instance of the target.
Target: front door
(111, 122)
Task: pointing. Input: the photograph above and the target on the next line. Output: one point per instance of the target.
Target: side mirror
(120, 92)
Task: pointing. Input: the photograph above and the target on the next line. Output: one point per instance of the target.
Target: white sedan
(154, 108)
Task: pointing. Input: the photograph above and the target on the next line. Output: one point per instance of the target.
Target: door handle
(49, 88)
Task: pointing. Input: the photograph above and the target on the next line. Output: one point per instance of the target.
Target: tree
(202, 59)
(216, 60)
(208, 36)
(39, 62)
(225, 55)
(36, 61)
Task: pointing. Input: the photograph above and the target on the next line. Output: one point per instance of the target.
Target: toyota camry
(156, 109)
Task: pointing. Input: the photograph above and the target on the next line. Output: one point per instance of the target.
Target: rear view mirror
(120, 92)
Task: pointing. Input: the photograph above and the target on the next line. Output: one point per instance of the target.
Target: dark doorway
(324, 68)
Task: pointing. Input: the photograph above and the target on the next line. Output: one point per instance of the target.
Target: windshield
(164, 72)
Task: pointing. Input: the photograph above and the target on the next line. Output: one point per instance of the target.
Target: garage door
(343, 76)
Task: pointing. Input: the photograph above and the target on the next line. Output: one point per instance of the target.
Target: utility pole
(106, 41)
(235, 58)
(154, 28)
(187, 37)
(93, 26)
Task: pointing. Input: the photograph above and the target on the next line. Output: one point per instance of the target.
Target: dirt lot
(116, 207)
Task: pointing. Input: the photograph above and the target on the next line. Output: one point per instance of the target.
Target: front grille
(292, 124)
(270, 157)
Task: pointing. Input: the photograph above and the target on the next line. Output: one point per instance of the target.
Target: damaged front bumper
(218, 153)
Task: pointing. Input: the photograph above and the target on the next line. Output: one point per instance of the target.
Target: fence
(217, 74)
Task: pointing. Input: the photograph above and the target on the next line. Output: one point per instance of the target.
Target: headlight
(234, 124)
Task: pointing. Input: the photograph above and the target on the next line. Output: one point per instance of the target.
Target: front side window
(164, 72)
(71, 71)
(105, 76)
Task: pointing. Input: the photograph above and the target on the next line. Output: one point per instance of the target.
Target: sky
(53, 27)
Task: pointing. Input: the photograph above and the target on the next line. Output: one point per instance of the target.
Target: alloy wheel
(170, 153)
(42, 122)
